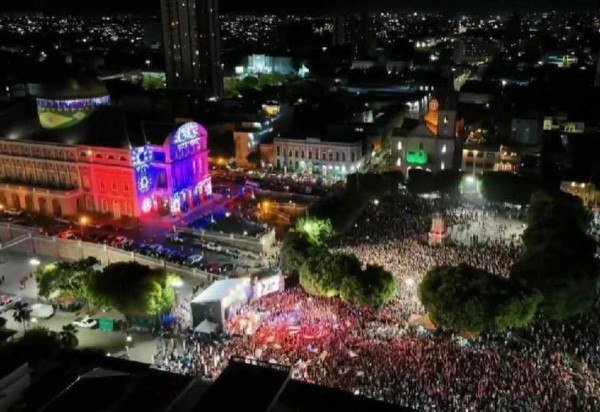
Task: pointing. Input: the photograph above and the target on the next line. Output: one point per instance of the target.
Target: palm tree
(22, 314)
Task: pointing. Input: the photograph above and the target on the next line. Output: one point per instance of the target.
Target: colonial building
(98, 166)
(429, 144)
(314, 156)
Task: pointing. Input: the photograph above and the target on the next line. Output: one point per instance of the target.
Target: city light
(34, 262)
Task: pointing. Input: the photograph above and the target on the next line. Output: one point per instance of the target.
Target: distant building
(429, 145)
(526, 132)
(561, 124)
(247, 137)
(477, 159)
(316, 157)
(561, 60)
(192, 43)
(264, 64)
(474, 50)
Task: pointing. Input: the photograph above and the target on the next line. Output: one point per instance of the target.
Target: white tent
(207, 327)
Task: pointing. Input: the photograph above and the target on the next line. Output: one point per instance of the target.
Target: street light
(83, 220)
(128, 338)
(34, 262)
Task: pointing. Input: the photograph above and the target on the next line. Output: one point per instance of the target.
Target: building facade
(476, 160)
(315, 157)
(430, 145)
(66, 179)
(192, 43)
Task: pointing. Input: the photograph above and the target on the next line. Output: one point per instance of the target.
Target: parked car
(85, 322)
(175, 238)
(214, 267)
(226, 269)
(232, 252)
(7, 301)
(212, 246)
(67, 234)
(42, 311)
(13, 212)
(195, 259)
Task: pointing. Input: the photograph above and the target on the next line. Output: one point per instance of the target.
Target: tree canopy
(463, 298)
(559, 259)
(506, 187)
(317, 230)
(132, 288)
(65, 278)
(336, 274)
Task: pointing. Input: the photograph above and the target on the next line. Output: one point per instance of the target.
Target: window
(296, 153)
(445, 120)
(323, 156)
(102, 184)
(444, 149)
(353, 157)
(302, 154)
(126, 187)
(443, 165)
(123, 159)
(337, 156)
(98, 156)
(114, 185)
(343, 157)
(399, 162)
(330, 156)
(399, 145)
(278, 151)
(309, 154)
(111, 157)
(420, 146)
(469, 154)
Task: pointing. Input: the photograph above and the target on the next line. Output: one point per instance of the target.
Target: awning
(207, 327)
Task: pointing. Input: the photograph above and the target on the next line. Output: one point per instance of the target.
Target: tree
(22, 314)
(421, 181)
(65, 278)
(132, 288)
(254, 158)
(559, 259)
(337, 274)
(295, 250)
(318, 231)
(464, 298)
(506, 187)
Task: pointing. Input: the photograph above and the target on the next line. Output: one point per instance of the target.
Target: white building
(316, 157)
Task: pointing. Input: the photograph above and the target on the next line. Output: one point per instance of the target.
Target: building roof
(73, 88)
(220, 289)
(257, 388)
(107, 126)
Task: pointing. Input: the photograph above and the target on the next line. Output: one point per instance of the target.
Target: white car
(195, 259)
(85, 322)
(213, 246)
(41, 311)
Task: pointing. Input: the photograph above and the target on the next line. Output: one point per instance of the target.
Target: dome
(74, 88)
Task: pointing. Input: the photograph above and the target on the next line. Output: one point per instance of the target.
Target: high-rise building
(192, 43)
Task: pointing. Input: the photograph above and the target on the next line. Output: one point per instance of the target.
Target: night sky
(277, 6)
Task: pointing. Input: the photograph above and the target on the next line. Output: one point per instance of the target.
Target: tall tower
(597, 77)
(192, 43)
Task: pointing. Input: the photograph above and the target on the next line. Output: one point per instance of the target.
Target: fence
(259, 244)
(28, 240)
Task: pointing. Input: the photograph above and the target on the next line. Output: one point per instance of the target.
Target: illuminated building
(430, 144)
(65, 105)
(192, 43)
(97, 167)
(312, 156)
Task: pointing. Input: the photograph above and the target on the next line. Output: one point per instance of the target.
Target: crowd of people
(381, 354)
(367, 352)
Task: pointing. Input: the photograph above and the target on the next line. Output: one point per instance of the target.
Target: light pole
(83, 220)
